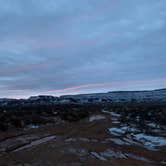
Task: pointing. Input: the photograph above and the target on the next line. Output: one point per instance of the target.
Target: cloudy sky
(62, 47)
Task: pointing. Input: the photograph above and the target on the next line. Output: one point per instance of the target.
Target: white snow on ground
(119, 141)
(96, 155)
(115, 114)
(106, 111)
(130, 155)
(96, 117)
(130, 141)
(118, 131)
(115, 122)
(152, 125)
(80, 139)
(32, 126)
(77, 151)
(108, 153)
(111, 113)
(36, 142)
(150, 141)
(118, 154)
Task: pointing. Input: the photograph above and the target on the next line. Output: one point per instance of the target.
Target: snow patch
(150, 141)
(36, 142)
(96, 117)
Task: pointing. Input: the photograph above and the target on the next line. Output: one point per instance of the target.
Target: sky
(58, 47)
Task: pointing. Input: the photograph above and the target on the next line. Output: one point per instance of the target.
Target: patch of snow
(150, 141)
(110, 153)
(32, 126)
(80, 139)
(118, 154)
(71, 140)
(79, 152)
(131, 142)
(96, 117)
(128, 128)
(115, 114)
(114, 118)
(163, 162)
(36, 142)
(119, 141)
(96, 155)
(138, 158)
(152, 125)
(105, 111)
(115, 122)
(84, 139)
(116, 131)
(111, 113)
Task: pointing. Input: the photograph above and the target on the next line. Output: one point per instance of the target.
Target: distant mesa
(116, 96)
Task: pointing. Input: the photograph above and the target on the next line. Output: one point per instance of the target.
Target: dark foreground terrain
(116, 134)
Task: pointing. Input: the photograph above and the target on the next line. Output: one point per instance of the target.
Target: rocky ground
(74, 135)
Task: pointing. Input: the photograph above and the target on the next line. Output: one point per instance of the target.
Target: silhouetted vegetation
(141, 114)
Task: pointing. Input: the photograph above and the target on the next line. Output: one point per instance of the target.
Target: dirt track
(87, 142)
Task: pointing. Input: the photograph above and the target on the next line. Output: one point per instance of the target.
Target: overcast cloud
(85, 46)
